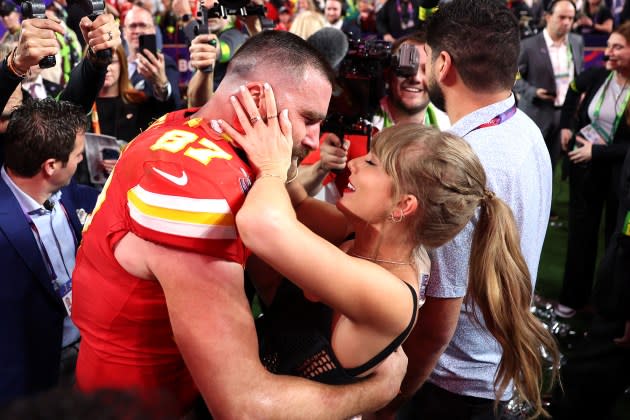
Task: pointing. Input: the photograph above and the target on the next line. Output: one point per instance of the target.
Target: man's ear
(445, 65)
(49, 167)
(256, 89)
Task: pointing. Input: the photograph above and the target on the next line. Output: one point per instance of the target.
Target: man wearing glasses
(154, 74)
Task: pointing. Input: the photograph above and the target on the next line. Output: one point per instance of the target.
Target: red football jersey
(179, 184)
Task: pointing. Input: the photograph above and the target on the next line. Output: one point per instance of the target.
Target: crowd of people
(391, 257)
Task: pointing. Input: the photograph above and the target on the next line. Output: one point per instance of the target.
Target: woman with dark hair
(416, 188)
(594, 18)
(601, 124)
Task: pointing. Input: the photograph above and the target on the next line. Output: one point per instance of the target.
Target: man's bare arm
(203, 55)
(214, 329)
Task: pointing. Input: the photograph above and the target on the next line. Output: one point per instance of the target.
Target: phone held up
(147, 41)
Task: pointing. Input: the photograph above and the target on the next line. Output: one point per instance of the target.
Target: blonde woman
(416, 188)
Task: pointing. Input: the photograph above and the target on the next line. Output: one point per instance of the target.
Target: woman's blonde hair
(445, 175)
(307, 23)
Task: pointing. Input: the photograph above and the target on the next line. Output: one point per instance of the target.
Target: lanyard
(409, 22)
(598, 107)
(63, 289)
(96, 126)
(569, 63)
(499, 119)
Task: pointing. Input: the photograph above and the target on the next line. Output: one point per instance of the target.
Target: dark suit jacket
(172, 74)
(31, 312)
(575, 116)
(52, 89)
(536, 71)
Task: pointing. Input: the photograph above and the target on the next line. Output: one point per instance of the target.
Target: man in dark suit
(156, 75)
(547, 64)
(40, 229)
(36, 87)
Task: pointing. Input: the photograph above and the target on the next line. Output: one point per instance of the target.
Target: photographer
(210, 51)
(406, 101)
(37, 40)
(152, 72)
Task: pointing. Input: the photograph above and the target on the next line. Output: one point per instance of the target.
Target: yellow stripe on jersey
(182, 216)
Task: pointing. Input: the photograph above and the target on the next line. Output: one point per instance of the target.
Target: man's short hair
(482, 38)
(278, 52)
(6, 7)
(418, 37)
(41, 130)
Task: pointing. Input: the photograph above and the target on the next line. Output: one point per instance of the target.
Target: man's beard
(436, 95)
(409, 110)
(298, 153)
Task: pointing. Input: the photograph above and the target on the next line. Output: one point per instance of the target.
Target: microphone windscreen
(606, 58)
(331, 43)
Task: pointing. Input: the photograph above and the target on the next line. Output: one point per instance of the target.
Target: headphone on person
(552, 4)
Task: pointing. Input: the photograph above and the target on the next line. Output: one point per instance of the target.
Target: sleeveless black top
(294, 339)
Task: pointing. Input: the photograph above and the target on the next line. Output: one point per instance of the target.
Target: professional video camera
(224, 8)
(361, 84)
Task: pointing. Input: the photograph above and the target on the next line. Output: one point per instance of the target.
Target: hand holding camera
(203, 52)
(333, 153)
(37, 42)
(102, 35)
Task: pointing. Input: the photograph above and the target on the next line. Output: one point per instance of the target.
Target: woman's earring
(396, 219)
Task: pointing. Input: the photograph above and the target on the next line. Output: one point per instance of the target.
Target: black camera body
(361, 84)
(225, 8)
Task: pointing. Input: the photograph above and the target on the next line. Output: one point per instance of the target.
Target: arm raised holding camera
(203, 55)
(37, 40)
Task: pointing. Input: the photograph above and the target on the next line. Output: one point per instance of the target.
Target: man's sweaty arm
(214, 330)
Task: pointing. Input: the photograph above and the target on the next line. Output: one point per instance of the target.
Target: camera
(224, 8)
(361, 84)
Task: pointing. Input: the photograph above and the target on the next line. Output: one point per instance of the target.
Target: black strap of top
(356, 371)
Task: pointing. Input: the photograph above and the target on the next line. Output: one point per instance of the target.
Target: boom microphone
(331, 43)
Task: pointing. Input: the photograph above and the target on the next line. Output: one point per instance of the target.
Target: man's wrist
(161, 90)
(97, 61)
(322, 169)
(13, 66)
